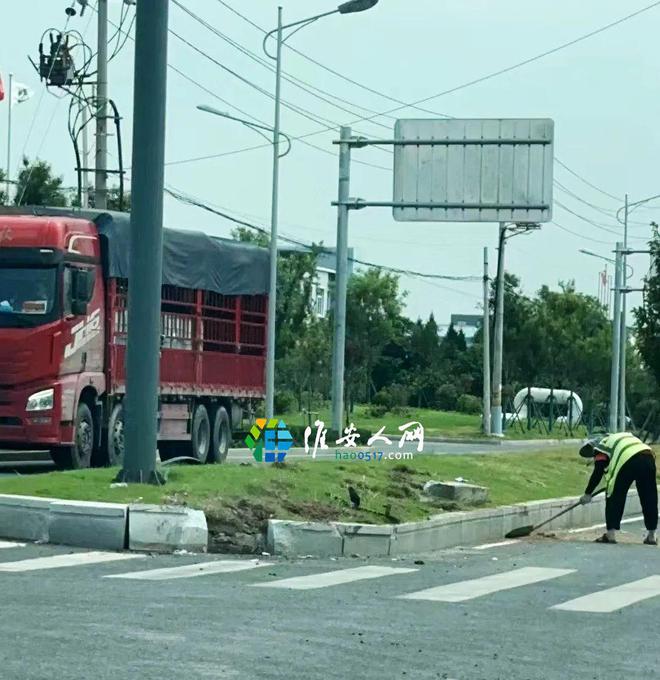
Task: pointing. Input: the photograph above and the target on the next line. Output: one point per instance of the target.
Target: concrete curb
(450, 530)
(105, 526)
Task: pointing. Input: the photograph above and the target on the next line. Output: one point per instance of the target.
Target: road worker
(623, 459)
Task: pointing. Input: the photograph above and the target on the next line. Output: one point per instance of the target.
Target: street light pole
(485, 337)
(101, 193)
(350, 7)
(272, 288)
(616, 343)
(498, 339)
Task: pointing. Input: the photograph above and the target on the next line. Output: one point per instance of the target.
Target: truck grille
(10, 421)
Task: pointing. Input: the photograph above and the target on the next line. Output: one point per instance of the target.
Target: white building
(324, 281)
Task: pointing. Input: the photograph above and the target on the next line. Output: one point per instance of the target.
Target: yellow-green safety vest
(620, 448)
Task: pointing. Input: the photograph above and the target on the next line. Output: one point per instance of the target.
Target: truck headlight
(40, 401)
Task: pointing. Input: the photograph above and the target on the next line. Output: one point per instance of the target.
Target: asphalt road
(35, 462)
(466, 614)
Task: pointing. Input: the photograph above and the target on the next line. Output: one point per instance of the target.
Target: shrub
(468, 403)
(285, 401)
(392, 396)
(447, 397)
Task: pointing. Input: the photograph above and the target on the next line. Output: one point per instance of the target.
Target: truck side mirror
(82, 289)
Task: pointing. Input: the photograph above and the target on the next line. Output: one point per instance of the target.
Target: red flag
(2, 89)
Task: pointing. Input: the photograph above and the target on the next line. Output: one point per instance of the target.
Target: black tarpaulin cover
(191, 259)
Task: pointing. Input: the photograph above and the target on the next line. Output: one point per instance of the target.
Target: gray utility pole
(85, 152)
(498, 339)
(616, 342)
(341, 280)
(9, 103)
(272, 288)
(486, 342)
(146, 245)
(101, 194)
(624, 330)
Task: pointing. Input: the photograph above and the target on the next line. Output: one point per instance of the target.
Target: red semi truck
(63, 331)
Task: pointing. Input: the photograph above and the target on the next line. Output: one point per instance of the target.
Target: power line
(190, 200)
(362, 86)
(587, 182)
(582, 236)
(305, 86)
(518, 65)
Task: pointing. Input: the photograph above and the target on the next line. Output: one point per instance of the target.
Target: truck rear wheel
(115, 453)
(220, 436)
(79, 455)
(200, 442)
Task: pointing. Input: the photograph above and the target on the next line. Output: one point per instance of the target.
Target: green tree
(37, 185)
(3, 193)
(373, 307)
(647, 316)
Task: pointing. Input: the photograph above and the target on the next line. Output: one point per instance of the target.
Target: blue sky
(602, 94)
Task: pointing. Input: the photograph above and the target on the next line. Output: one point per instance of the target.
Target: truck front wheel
(80, 454)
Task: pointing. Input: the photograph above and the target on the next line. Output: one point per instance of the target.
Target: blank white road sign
(473, 170)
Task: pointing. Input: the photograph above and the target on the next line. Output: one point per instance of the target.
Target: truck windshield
(27, 295)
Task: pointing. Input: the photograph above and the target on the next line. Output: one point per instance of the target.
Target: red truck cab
(63, 332)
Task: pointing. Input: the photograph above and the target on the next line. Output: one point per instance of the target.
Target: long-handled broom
(521, 532)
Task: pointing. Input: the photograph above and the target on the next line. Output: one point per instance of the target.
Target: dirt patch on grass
(313, 510)
(239, 528)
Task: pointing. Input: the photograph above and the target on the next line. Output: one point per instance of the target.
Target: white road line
(69, 560)
(333, 578)
(630, 520)
(190, 570)
(10, 544)
(473, 588)
(487, 546)
(613, 599)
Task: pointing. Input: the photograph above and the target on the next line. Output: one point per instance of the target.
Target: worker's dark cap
(588, 449)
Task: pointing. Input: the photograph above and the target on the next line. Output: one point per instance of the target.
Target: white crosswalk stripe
(613, 599)
(68, 560)
(333, 578)
(11, 544)
(190, 570)
(473, 588)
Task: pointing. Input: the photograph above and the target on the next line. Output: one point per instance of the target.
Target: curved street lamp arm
(302, 23)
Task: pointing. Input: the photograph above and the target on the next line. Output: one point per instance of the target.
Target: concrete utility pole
(9, 104)
(498, 339)
(101, 193)
(616, 342)
(85, 153)
(624, 330)
(146, 247)
(486, 342)
(341, 281)
(272, 289)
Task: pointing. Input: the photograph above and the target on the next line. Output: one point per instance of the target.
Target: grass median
(239, 499)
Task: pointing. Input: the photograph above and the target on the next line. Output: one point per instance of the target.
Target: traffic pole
(616, 343)
(341, 281)
(101, 191)
(498, 339)
(486, 349)
(146, 243)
